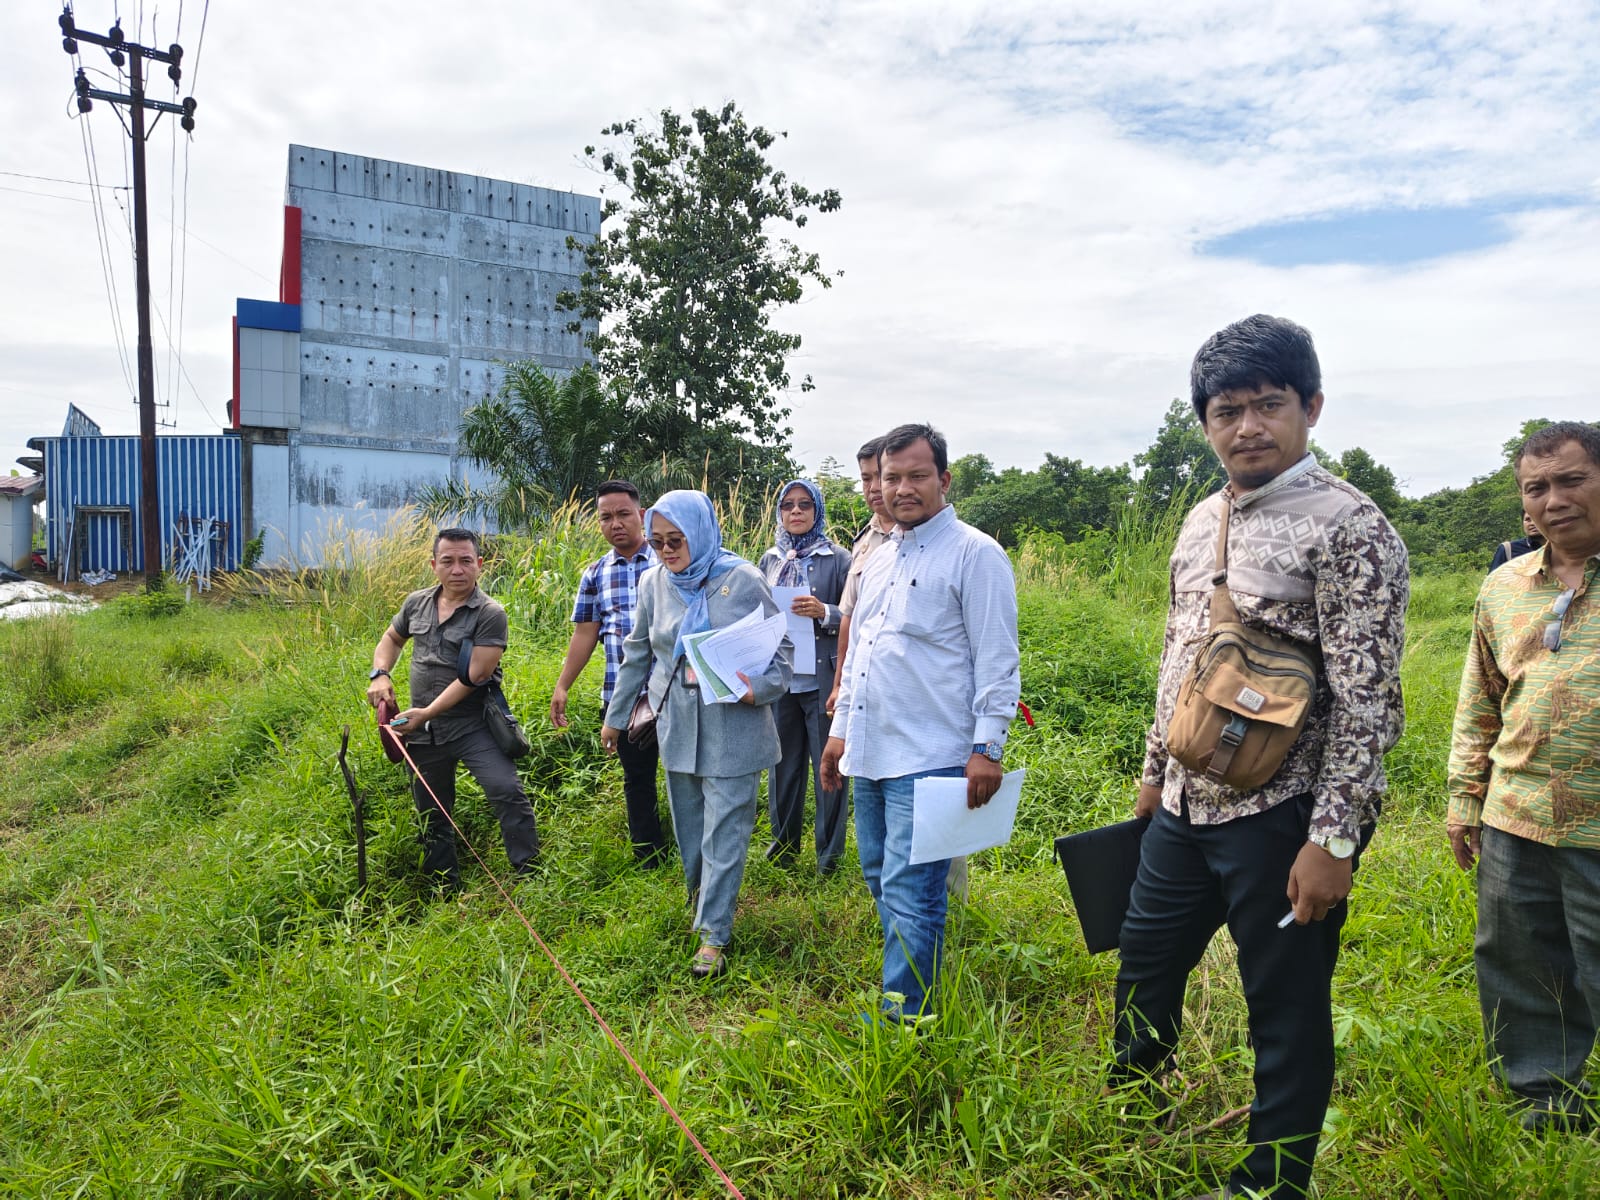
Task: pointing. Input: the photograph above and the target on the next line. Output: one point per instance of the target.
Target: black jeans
(1192, 879)
(639, 791)
(496, 775)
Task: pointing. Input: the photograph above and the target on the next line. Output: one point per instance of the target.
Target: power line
(103, 244)
(204, 407)
(46, 195)
(172, 236)
(49, 179)
(200, 45)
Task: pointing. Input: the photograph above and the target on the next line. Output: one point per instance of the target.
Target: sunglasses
(672, 542)
(796, 506)
(1552, 631)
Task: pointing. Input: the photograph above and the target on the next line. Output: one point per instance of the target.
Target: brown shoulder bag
(1247, 695)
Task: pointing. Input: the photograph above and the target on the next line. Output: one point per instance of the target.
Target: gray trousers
(1538, 958)
(502, 787)
(712, 819)
(803, 733)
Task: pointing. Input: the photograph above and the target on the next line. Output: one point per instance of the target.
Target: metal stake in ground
(359, 806)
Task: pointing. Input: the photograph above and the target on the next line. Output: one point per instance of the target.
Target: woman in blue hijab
(714, 753)
(805, 559)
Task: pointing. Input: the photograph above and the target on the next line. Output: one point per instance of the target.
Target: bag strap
(1223, 611)
(489, 687)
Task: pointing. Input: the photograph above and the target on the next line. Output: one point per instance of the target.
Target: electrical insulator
(117, 58)
(70, 46)
(117, 36)
(174, 72)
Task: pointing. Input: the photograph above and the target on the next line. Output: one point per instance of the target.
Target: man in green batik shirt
(1525, 787)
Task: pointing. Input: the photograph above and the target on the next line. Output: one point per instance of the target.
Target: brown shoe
(708, 962)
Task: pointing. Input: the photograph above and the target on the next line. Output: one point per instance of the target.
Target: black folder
(1100, 866)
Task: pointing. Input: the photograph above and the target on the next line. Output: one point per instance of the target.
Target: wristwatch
(990, 750)
(376, 671)
(1339, 847)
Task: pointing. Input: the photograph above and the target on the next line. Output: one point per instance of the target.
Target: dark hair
(456, 534)
(902, 437)
(870, 449)
(1259, 351)
(617, 487)
(1552, 437)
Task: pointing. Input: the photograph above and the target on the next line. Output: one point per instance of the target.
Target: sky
(1047, 207)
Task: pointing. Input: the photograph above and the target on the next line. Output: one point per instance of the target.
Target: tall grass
(193, 1002)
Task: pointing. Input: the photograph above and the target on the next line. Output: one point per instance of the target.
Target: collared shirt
(871, 538)
(436, 651)
(1525, 750)
(1310, 557)
(933, 666)
(608, 593)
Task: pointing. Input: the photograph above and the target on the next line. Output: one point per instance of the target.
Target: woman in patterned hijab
(806, 561)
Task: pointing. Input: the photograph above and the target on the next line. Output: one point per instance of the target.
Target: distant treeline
(1452, 528)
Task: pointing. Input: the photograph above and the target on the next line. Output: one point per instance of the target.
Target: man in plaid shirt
(603, 613)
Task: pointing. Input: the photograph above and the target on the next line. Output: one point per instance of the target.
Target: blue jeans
(910, 899)
(1538, 959)
(713, 818)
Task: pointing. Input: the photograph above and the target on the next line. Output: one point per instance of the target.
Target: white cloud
(1024, 186)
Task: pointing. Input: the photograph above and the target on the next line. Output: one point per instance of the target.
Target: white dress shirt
(932, 668)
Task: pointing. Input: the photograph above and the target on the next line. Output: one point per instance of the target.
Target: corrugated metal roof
(21, 485)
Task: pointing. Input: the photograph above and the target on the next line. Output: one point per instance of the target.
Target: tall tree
(967, 474)
(1373, 478)
(679, 290)
(1180, 461)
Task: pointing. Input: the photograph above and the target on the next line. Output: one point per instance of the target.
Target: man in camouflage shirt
(1313, 559)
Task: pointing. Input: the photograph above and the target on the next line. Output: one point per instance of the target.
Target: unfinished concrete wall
(412, 283)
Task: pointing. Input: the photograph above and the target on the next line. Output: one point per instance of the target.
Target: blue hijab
(696, 519)
(795, 548)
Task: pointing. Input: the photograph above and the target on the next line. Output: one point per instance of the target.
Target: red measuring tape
(389, 736)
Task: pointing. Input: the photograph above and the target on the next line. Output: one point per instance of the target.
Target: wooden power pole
(121, 50)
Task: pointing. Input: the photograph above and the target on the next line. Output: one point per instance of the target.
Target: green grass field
(193, 1002)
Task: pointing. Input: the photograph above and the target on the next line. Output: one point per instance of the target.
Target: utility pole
(121, 50)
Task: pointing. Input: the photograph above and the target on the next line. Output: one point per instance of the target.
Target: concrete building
(18, 495)
(401, 287)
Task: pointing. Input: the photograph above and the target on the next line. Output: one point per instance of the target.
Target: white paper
(942, 826)
(712, 689)
(802, 630)
(745, 646)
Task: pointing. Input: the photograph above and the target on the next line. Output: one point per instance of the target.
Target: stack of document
(802, 630)
(942, 826)
(719, 656)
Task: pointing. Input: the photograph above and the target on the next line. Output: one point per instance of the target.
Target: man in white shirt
(929, 687)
